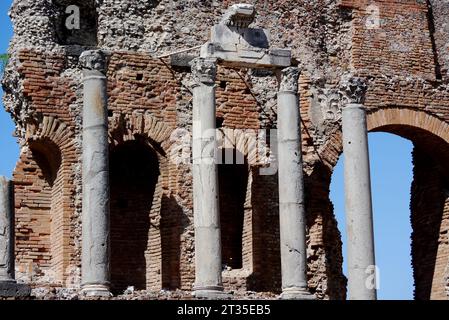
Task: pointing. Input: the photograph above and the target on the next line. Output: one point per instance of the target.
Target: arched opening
(391, 177)
(233, 184)
(425, 204)
(40, 217)
(134, 172)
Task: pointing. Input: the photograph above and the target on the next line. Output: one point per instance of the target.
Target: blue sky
(391, 178)
(8, 145)
(391, 169)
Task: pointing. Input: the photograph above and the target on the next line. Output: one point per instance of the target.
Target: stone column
(359, 215)
(291, 190)
(95, 267)
(208, 268)
(8, 285)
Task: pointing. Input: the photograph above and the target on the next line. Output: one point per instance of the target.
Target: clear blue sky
(9, 150)
(391, 169)
(391, 178)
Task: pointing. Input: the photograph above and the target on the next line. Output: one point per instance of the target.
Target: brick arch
(162, 253)
(48, 143)
(249, 230)
(244, 141)
(53, 129)
(125, 127)
(400, 121)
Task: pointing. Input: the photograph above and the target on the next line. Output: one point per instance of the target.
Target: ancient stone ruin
(178, 147)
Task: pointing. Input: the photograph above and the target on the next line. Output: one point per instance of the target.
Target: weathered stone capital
(94, 60)
(289, 79)
(354, 88)
(239, 15)
(203, 71)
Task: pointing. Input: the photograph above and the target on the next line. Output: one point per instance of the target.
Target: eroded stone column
(291, 190)
(359, 215)
(95, 235)
(208, 268)
(8, 285)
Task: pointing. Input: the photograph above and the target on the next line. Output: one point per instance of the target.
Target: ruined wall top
(318, 32)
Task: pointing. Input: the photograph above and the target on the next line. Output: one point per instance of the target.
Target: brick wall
(33, 215)
(392, 37)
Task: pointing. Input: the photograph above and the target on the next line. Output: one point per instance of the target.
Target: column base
(96, 290)
(296, 294)
(211, 293)
(11, 289)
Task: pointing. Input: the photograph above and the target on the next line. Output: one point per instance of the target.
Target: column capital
(204, 71)
(95, 60)
(353, 88)
(289, 79)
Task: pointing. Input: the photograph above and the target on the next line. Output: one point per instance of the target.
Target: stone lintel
(241, 37)
(247, 57)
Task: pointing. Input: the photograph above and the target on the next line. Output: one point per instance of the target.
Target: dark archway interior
(48, 157)
(134, 171)
(233, 181)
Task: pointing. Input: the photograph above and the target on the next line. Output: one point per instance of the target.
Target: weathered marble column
(359, 215)
(291, 190)
(95, 237)
(8, 285)
(208, 268)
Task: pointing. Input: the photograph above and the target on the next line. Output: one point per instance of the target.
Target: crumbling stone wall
(399, 45)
